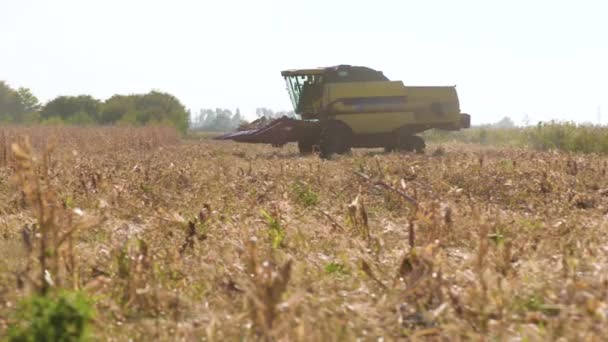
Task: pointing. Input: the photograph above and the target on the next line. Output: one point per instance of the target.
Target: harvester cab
(305, 91)
(351, 106)
(306, 86)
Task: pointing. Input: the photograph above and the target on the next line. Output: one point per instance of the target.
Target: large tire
(305, 147)
(407, 143)
(335, 139)
(418, 144)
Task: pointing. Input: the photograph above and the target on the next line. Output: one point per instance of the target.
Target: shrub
(54, 121)
(80, 119)
(64, 317)
(564, 136)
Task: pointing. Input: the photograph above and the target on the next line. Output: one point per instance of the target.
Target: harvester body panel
(362, 124)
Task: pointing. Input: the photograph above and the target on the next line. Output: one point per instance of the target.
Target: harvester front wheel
(408, 143)
(305, 147)
(335, 138)
(417, 144)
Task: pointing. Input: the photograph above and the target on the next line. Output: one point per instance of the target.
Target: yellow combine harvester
(349, 106)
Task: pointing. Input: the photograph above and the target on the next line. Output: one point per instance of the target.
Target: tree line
(20, 106)
(221, 119)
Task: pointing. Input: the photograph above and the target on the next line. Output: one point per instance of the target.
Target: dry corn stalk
(268, 284)
(358, 216)
(55, 224)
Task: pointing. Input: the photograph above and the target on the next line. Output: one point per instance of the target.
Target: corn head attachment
(277, 132)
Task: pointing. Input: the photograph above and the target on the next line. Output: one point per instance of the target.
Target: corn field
(191, 239)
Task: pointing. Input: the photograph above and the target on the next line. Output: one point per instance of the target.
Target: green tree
(158, 108)
(81, 118)
(65, 107)
(223, 120)
(505, 122)
(237, 119)
(8, 103)
(17, 106)
(142, 109)
(29, 102)
(117, 107)
(209, 119)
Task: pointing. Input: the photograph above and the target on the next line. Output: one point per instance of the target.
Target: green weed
(275, 230)
(305, 195)
(336, 268)
(65, 317)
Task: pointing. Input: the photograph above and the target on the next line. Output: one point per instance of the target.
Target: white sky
(547, 59)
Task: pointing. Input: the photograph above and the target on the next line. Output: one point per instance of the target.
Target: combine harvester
(350, 106)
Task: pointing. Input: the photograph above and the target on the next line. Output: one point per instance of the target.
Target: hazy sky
(546, 59)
